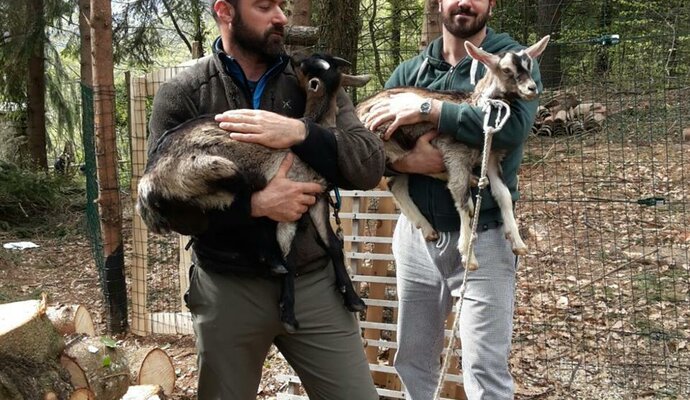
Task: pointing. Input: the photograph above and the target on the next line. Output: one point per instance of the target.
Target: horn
(341, 62)
(323, 64)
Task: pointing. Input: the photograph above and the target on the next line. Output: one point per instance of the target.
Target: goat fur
(507, 79)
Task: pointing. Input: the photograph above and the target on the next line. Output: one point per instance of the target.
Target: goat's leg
(287, 303)
(398, 185)
(319, 215)
(459, 159)
(501, 193)
(466, 211)
(285, 233)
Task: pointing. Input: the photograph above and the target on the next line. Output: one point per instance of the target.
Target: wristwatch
(425, 107)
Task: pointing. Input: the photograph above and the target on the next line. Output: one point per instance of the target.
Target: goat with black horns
(508, 77)
(197, 165)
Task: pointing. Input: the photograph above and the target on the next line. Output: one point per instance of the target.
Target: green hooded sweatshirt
(464, 122)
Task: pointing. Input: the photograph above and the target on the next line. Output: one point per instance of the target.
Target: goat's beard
(468, 29)
(267, 45)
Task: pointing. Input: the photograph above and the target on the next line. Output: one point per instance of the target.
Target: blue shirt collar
(253, 89)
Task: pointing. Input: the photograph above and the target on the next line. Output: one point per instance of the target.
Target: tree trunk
(431, 27)
(339, 27)
(550, 24)
(396, 11)
(301, 13)
(112, 276)
(36, 88)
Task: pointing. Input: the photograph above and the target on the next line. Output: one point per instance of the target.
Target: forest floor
(63, 267)
(603, 297)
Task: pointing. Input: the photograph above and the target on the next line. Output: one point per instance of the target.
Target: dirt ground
(602, 306)
(63, 267)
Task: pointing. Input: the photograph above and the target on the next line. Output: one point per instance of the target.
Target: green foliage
(27, 196)
(145, 29)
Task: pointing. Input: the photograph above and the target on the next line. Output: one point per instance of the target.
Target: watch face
(425, 108)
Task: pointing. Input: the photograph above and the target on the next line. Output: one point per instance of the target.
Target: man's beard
(464, 29)
(267, 46)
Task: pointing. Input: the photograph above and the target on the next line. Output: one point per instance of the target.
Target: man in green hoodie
(431, 273)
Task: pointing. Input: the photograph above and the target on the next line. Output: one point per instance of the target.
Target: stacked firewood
(564, 114)
(52, 353)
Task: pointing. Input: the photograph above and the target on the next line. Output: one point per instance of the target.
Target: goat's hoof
(278, 270)
(355, 306)
(471, 263)
(431, 236)
(291, 327)
(520, 251)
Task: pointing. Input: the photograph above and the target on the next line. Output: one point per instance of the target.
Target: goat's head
(512, 70)
(321, 76)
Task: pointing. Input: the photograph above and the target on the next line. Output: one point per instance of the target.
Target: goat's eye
(507, 71)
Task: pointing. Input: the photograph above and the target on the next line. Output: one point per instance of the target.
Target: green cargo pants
(236, 321)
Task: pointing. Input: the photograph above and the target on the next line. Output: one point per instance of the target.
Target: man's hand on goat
(263, 127)
(400, 109)
(423, 159)
(284, 200)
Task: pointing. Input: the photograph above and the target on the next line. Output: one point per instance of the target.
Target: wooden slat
(171, 323)
(375, 279)
(369, 239)
(380, 303)
(368, 256)
(356, 216)
(381, 343)
(365, 193)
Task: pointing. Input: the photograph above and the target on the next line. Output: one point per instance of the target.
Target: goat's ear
(536, 49)
(355, 80)
(480, 55)
(341, 62)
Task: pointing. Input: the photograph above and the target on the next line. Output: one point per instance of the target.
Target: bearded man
(429, 274)
(251, 86)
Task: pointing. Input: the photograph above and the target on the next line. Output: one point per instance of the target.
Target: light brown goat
(508, 77)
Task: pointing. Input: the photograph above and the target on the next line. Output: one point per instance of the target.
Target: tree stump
(145, 392)
(29, 349)
(94, 366)
(152, 365)
(69, 319)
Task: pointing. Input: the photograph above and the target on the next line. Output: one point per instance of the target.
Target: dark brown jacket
(348, 156)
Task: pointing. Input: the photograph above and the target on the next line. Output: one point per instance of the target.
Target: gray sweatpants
(236, 320)
(428, 275)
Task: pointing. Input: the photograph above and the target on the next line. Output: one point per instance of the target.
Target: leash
(502, 115)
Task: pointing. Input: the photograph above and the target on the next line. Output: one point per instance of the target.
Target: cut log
(153, 366)
(69, 319)
(98, 368)
(26, 332)
(77, 375)
(145, 392)
(83, 394)
(686, 134)
(22, 378)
